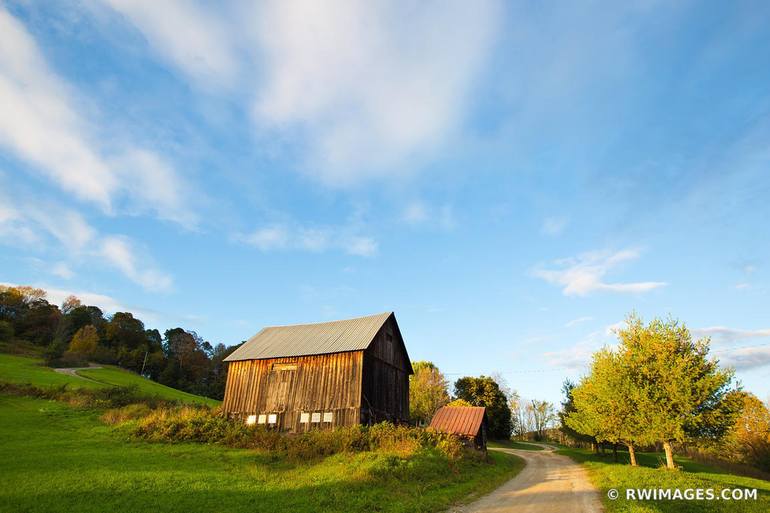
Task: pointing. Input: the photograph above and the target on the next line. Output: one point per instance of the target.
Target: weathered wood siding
(290, 386)
(386, 378)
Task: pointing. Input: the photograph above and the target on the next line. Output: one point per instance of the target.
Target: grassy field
(514, 444)
(56, 458)
(25, 369)
(607, 475)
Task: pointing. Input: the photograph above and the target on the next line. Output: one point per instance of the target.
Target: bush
(207, 425)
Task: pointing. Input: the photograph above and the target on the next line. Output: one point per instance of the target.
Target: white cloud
(44, 221)
(727, 335)
(121, 254)
(554, 225)
(579, 320)
(62, 270)
(578, 356)
(268, 238)
(281, 237)
(582, 275)
(420, 213)
(369, 84)
(362, 246)
(42, 125)
(191, 37)
(746, 358)
(415, 213)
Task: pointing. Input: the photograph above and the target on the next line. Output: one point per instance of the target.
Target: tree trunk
(595, 447)
(669, 454)
(615, 453)
(632, 454)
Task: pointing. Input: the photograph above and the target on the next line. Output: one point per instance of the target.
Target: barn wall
(386, 392)
(386, 378)
(318, 384)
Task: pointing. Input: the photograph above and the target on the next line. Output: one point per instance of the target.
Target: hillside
(30, 370)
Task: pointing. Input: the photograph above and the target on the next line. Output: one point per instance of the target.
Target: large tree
(427, 392)
(484, 391)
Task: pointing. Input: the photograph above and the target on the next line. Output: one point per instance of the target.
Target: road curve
(550, 483)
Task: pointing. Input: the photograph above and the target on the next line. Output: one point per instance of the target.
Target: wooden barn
(310, 376)
(467, 422)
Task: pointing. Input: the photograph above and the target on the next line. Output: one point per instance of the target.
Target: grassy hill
(30, 370)
(59, 458)
(607, 475)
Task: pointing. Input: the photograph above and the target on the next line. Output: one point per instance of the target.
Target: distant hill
(27, 369)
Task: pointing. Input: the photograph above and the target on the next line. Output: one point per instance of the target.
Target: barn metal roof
(459, 420)
(311, 339)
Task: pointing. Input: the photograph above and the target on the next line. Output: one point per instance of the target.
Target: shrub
(207, 425)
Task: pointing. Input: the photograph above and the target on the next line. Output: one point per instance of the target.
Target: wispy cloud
(369, 84)
(554, 226)
(43, 125)
(420, 213)
(727, 335)
(77, 240)
(746, 358)
(579, 320)
(318, 239)
(584, 274)
(578, 356)
(191, 37)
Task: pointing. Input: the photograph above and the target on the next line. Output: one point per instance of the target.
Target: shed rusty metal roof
(311, 339)
(459, 420)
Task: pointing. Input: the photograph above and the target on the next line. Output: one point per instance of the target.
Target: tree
(69, 304)
(568, 407)
(679, 392)
(484, 391)
(85, 341)
(750, 435)
(520, 419)
(459, 403)
(427, 392)
(604, 406)
(543, 415)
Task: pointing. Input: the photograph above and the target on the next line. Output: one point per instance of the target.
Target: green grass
(24, 369)
(606, 475)
(56, 458)
(29, 370)
(118, 377)
(514, 444)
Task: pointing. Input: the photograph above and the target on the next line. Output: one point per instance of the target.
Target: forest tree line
(73, 334)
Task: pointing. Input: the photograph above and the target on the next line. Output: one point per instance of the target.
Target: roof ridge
(327, 322)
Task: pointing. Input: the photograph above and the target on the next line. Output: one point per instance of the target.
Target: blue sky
(511, 179)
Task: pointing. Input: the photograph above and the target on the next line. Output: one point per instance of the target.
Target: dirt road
(73, 371)
(550, 483)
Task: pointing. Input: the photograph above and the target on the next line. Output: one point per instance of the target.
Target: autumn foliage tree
(85, 341)
(427, 392)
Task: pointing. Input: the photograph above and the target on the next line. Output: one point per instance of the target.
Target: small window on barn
(262, 419)
(251, 420)
(328, 416)
(316, 417)
(304, 418)
(272, 418)
(284, 366)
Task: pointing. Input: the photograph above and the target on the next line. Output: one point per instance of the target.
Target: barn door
(279, 386)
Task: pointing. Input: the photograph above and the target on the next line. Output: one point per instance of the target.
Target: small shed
(467, 422)
(322, 375)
